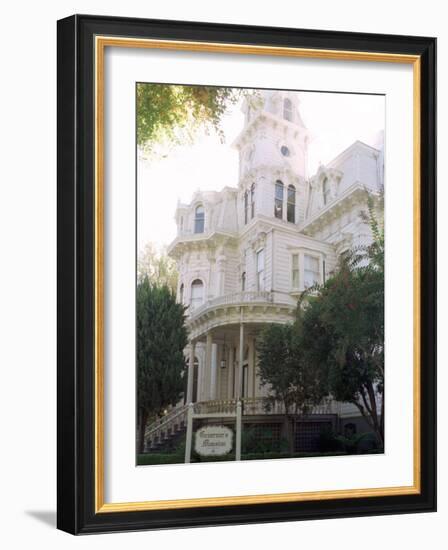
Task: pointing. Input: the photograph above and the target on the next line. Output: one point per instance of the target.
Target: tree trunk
(141, 432)
(374, 414)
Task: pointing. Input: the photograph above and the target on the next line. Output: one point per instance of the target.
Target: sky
(334, 120)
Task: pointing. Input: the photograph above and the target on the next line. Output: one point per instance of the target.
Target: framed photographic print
(246, 274)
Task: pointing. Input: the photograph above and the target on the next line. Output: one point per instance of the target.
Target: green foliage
(161, 339)
(174, 113)
(336, 345)
(261, 440)
(352, 444)
(282, 367)
(342, 328)
(158, 267)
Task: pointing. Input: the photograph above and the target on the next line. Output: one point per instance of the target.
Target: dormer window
(325, 191)
(199, 219)
(278, 202)
(246, 206)
(291, 204)
(287, 109)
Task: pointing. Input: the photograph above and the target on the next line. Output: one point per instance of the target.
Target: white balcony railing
(245, 297)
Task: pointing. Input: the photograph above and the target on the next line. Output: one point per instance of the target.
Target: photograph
(259, 273)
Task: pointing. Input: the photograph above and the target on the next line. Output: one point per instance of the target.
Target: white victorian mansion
(245, 254)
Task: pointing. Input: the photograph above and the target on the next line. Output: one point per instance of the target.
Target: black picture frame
(76, 511)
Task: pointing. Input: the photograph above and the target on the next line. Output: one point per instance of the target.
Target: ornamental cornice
(340, 205)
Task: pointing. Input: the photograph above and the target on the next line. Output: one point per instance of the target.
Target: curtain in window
(311, 271)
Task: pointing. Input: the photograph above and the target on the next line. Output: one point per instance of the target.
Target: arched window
(291, 206)
(197, 294)
(181, 224)
(246, 206)
(252, 200)
(243, 281)
(199, 219)
(287, 109)
(325, 191)
(278, 203)
(181, 293)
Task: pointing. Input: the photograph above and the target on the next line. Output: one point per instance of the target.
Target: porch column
(239, 393)
(191, 372)
(213, 371)
(207, 367)
(230, 370)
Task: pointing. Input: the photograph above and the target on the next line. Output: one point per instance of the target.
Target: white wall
(28, 275)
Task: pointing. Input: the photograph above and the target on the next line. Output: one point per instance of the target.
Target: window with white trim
(325, 191)
(199, 219)
(260, 270)
(197, 294)
(287, 109)
(252, 200)
(311, 271)
(295, 276)
(278, 201)
(291, 204)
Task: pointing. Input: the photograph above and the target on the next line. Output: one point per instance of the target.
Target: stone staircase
(166, 433)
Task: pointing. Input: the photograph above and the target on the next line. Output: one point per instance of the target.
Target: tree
(290, 378)
(158, 267)
(336, 344)
(167, 112)
(342, 329)
(161, 339)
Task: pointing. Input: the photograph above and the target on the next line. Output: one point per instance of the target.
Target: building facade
(245, 253)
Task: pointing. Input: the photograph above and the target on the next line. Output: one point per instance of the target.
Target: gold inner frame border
(101, 42)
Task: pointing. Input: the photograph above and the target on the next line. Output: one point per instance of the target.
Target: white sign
(213, 441)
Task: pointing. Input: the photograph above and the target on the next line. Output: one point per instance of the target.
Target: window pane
(295, 270)
(199, 220)
(291, 212)
(279, 190)
(287, 109)
(295, 278)
(311, 263)
(311, 271)
(197, 293)
(291, 193)
(278, 209)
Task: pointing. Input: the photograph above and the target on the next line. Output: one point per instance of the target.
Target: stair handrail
(167, 420)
